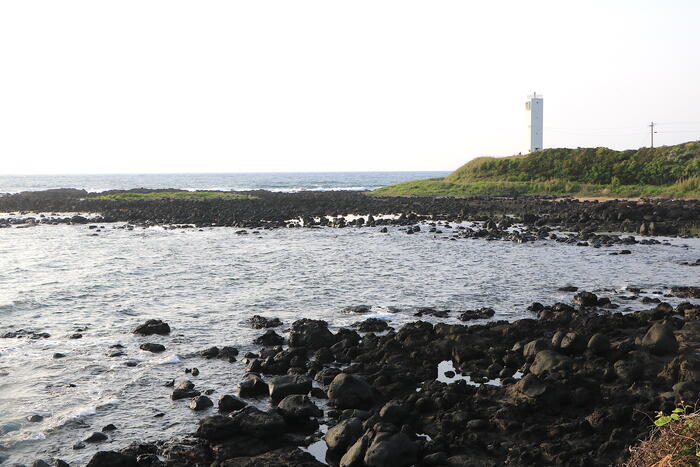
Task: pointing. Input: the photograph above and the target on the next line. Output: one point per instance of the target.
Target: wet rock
(260, 322)
(371, 325)
(249, 420)
(112, 459)
(310, 333)
(481, 313)
(343, 435)
(184, 384)
(179, 393)
(200, 403)
(568, 288)
(252, 386)
(269, 339)
(59, 355)
(35, 418)
(660, 340)
(585, 299)
(96, 437)
(151, 347)
(282, 386)
(229, 403)
(350, 392)
(357, 309)
(225, 353)
(152, 326)
(109, 427)
(391, 450)
(298, 407)
(686, 292)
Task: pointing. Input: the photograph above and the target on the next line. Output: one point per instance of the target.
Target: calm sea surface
(205, 284)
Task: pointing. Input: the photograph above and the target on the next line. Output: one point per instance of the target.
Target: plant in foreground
(674, 441)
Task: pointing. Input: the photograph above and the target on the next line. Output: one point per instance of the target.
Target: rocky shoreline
(272, 210)
(576, 384)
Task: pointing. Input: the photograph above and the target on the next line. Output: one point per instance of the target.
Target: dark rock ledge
(574, 385)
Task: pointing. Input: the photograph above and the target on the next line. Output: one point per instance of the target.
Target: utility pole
(652, 133)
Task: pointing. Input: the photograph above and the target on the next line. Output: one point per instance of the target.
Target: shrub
(675, 441)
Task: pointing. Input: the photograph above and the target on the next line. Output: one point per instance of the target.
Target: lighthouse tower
(534, 106)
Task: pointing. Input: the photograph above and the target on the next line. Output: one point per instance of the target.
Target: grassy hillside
(667, 171)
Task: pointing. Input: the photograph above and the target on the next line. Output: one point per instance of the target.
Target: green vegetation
(667, 171)
(154, 195)
(439, 187)
(675, 440)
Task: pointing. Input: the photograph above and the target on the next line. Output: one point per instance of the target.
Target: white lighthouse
(534, 106)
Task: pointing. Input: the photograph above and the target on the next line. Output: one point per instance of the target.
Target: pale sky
(236, 86)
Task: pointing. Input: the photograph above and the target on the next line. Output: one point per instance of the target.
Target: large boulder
(537, 345)
(229, 403)
(391, 450)
(529, 386)
(254, 422)
(150, 327)
(549, 361)
(343, 435)
(355, 454)
(350, 392)
(282, 386)
(572, 343)
(269, 338)
(287, 457)
(200, 403)
(298, 407)
(310, 333)
(660, 340)
(112, 459)
(599, 344)
(252, 386)
(260, 322)
(585, 299)
(249, 421)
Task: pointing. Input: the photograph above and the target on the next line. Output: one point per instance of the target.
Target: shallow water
(206, 283)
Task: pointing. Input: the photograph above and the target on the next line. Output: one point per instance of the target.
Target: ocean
(282, 181)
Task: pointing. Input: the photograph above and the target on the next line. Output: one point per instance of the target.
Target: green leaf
(661, 421)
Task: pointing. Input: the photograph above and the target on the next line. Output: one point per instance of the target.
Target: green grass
(663, 165)
(158, 195)
(661, 172)
(689, 189)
